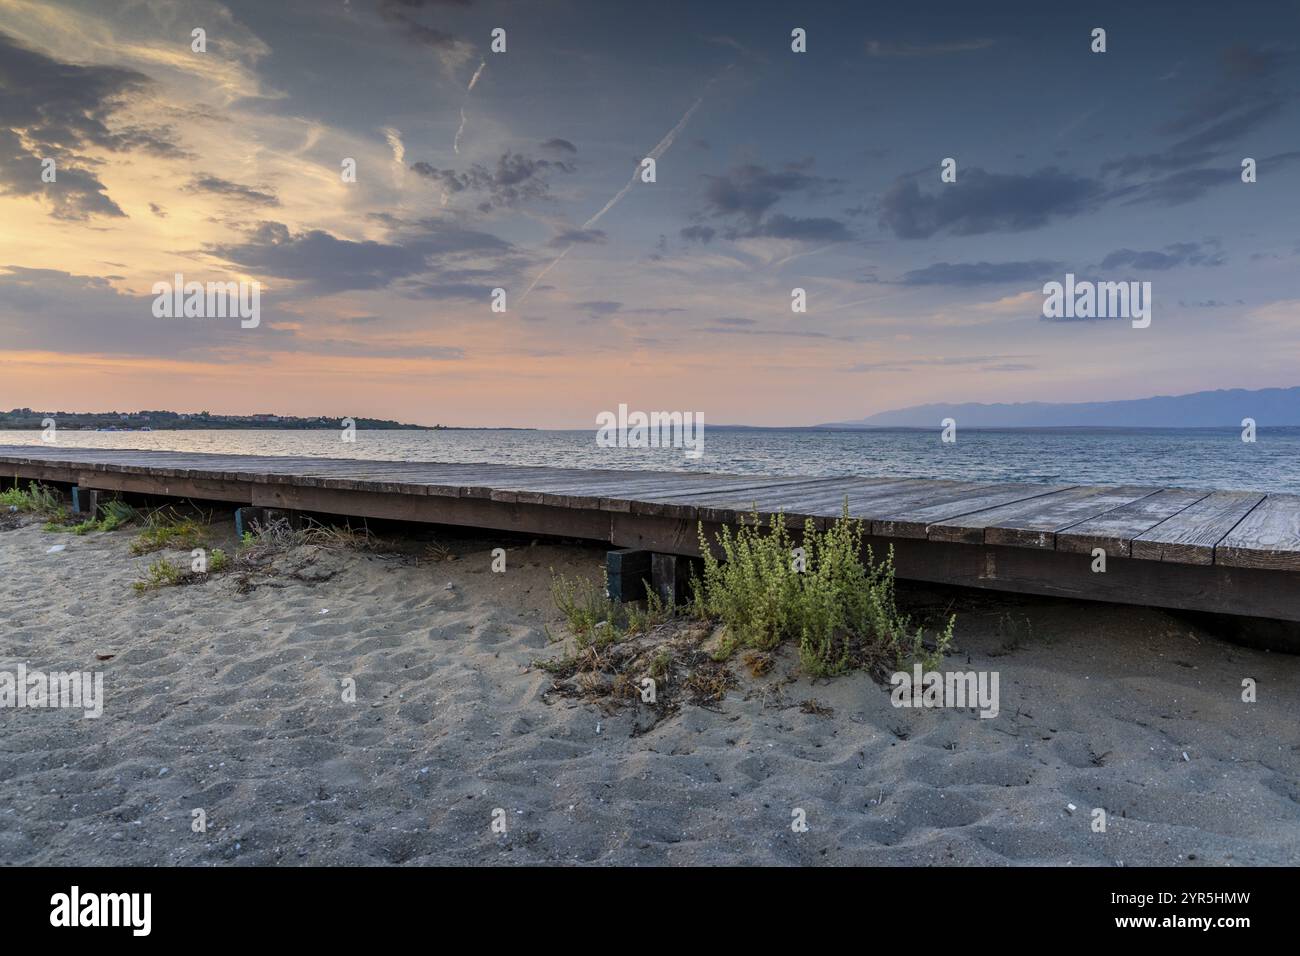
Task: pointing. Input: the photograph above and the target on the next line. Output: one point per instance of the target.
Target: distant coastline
(26, 419)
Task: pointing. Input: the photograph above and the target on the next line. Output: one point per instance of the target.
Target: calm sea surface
(1192, 458)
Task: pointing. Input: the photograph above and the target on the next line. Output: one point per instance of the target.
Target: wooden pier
(1219, 551)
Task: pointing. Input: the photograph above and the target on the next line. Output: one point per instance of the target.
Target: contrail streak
(477, 73)
(661, 148)
(654, 154)
(455, 143)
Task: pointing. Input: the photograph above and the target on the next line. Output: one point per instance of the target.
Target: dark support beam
(287, 515)
(246, 519)
(626, 573)
(85, 501)
(670, 575)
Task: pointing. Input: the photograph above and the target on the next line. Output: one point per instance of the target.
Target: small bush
(840, 610)
(161, 574)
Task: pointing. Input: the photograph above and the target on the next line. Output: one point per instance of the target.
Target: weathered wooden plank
(1267, 537)
(1189, 537)
(913, 521)
(1033, 523)
(1115, 530)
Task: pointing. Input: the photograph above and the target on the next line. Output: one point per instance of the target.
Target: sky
(520, 169)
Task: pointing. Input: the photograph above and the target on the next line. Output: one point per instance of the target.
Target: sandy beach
(227, 696)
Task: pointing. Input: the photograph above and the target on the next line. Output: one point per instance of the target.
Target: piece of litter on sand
(324, 610)
(597, 726)
(1185, 757)
(449, 586)
(1070, 807)
(57, 547)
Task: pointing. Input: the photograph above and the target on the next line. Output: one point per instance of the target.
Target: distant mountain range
(1226, 408)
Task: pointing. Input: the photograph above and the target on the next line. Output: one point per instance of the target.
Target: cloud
(434, 255)
(982, 202)
(1187, 185)
(1178, 254)
(600, 307)
(981, 273)
(989, 363)
(51, 310)
(885, 49)
(452, 51)
(745, 195)
(1242, 97)
(812, 229)
(224, 187)
(698, 233)
(514, 180)
(570, 236)
(750, 190)
(50, 109)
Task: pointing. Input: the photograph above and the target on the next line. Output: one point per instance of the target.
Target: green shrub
(160, 574)
(37, 499)
(587, 608)
(840, 610)
(114, 514)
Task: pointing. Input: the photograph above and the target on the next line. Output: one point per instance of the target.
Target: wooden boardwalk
(1225, 551)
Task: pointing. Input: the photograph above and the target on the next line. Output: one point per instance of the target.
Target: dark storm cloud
(1178, 254)
(983, 202)
(55, 110)
(514, 180)
(981, 273)
(224, 187)
(434, 260)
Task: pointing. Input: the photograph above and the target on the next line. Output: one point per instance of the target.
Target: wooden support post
(626, 573)
(246, 519)
(85, 501)
(670, 575)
